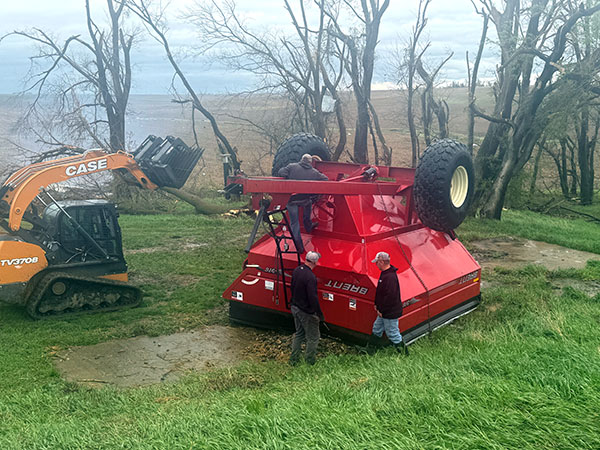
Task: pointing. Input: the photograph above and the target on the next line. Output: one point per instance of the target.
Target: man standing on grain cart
(302, 170)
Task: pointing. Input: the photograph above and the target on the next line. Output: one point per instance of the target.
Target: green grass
(522, 371)
(579, 234)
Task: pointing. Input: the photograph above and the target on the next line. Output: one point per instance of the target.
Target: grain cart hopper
(361, 210)
(59, 257)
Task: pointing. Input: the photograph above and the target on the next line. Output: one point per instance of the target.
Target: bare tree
(528, 34)
(558, 153)
(89, 79)
(413, 54)
(304, 66)
(587, 119)
(430, 106)
(536, 166)
(472, 82)
(156, 24)
(361, 62)
(418, 77)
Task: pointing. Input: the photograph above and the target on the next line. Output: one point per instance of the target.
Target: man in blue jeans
(388, 303)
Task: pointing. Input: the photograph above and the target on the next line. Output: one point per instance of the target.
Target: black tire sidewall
(432, 184)
(297, 145)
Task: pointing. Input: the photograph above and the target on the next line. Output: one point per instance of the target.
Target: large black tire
(444, 183)
(297, 145)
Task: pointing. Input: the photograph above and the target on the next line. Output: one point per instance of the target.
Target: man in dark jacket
(306, 310)
(388, 303)
(302, 170)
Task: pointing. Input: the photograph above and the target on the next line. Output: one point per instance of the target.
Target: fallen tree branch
(594, 218)
(200, 205)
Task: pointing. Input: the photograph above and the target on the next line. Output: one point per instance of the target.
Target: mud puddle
(514, 253)
(591, 288)
(144, 360)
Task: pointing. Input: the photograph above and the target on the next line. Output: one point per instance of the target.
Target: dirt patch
(147, 360)
(590, 287)
(273, 345)
(513, 253)
(177, 244)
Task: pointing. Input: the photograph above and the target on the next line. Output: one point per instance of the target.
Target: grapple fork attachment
(167, 162)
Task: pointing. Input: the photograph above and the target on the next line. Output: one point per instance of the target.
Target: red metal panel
(283, 186)
(346, 273)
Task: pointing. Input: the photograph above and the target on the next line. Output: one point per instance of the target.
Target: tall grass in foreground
(522, 371)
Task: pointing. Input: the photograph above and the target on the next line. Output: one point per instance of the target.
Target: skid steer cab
(66, 257)
(361, 210)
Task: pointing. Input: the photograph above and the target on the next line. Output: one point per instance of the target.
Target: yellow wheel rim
(459, 187)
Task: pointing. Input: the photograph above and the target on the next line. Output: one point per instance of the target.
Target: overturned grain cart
(361, 210)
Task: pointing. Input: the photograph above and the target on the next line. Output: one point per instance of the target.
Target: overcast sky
(453, 26)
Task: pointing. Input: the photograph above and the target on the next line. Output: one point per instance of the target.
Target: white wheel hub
(459, 186)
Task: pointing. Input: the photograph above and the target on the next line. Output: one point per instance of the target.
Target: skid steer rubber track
(58, 294)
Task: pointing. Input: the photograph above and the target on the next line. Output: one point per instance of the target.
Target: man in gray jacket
(302, 170)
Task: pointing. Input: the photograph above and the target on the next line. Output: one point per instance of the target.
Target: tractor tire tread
(292, 149)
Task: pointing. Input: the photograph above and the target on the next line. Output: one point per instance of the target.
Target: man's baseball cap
(381, 255)
(313, 257)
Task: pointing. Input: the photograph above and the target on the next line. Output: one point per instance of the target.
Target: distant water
(148, 114)
(10, 110)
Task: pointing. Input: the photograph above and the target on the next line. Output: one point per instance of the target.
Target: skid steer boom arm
(21, 188)
(156, 163)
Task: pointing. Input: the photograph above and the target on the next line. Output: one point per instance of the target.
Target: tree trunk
(536, 167)
(361, 134)
(426, 116)
(495, 201)
(574, 174)
(563, 171)
(473, 84)
(414, 140)
(201, 206)
(339, 115)
(583, 156)
(443, 114)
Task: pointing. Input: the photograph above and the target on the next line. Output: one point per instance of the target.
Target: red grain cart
(362, 210)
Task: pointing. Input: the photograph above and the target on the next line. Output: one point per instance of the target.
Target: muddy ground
(146, 360)
(513, 252)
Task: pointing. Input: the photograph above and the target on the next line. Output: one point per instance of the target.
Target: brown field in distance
(237, 116)
(253, 149)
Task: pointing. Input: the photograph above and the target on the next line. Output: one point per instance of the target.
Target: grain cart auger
(361, 210)
(68, 257)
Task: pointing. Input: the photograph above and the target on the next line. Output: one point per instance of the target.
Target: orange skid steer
(63, 257)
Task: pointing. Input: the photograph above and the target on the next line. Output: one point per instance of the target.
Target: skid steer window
(97, 222)
(67, 230)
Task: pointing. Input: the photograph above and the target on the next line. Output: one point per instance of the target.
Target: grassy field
(522, 371)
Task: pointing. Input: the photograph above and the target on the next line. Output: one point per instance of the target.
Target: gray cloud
(453, 26)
